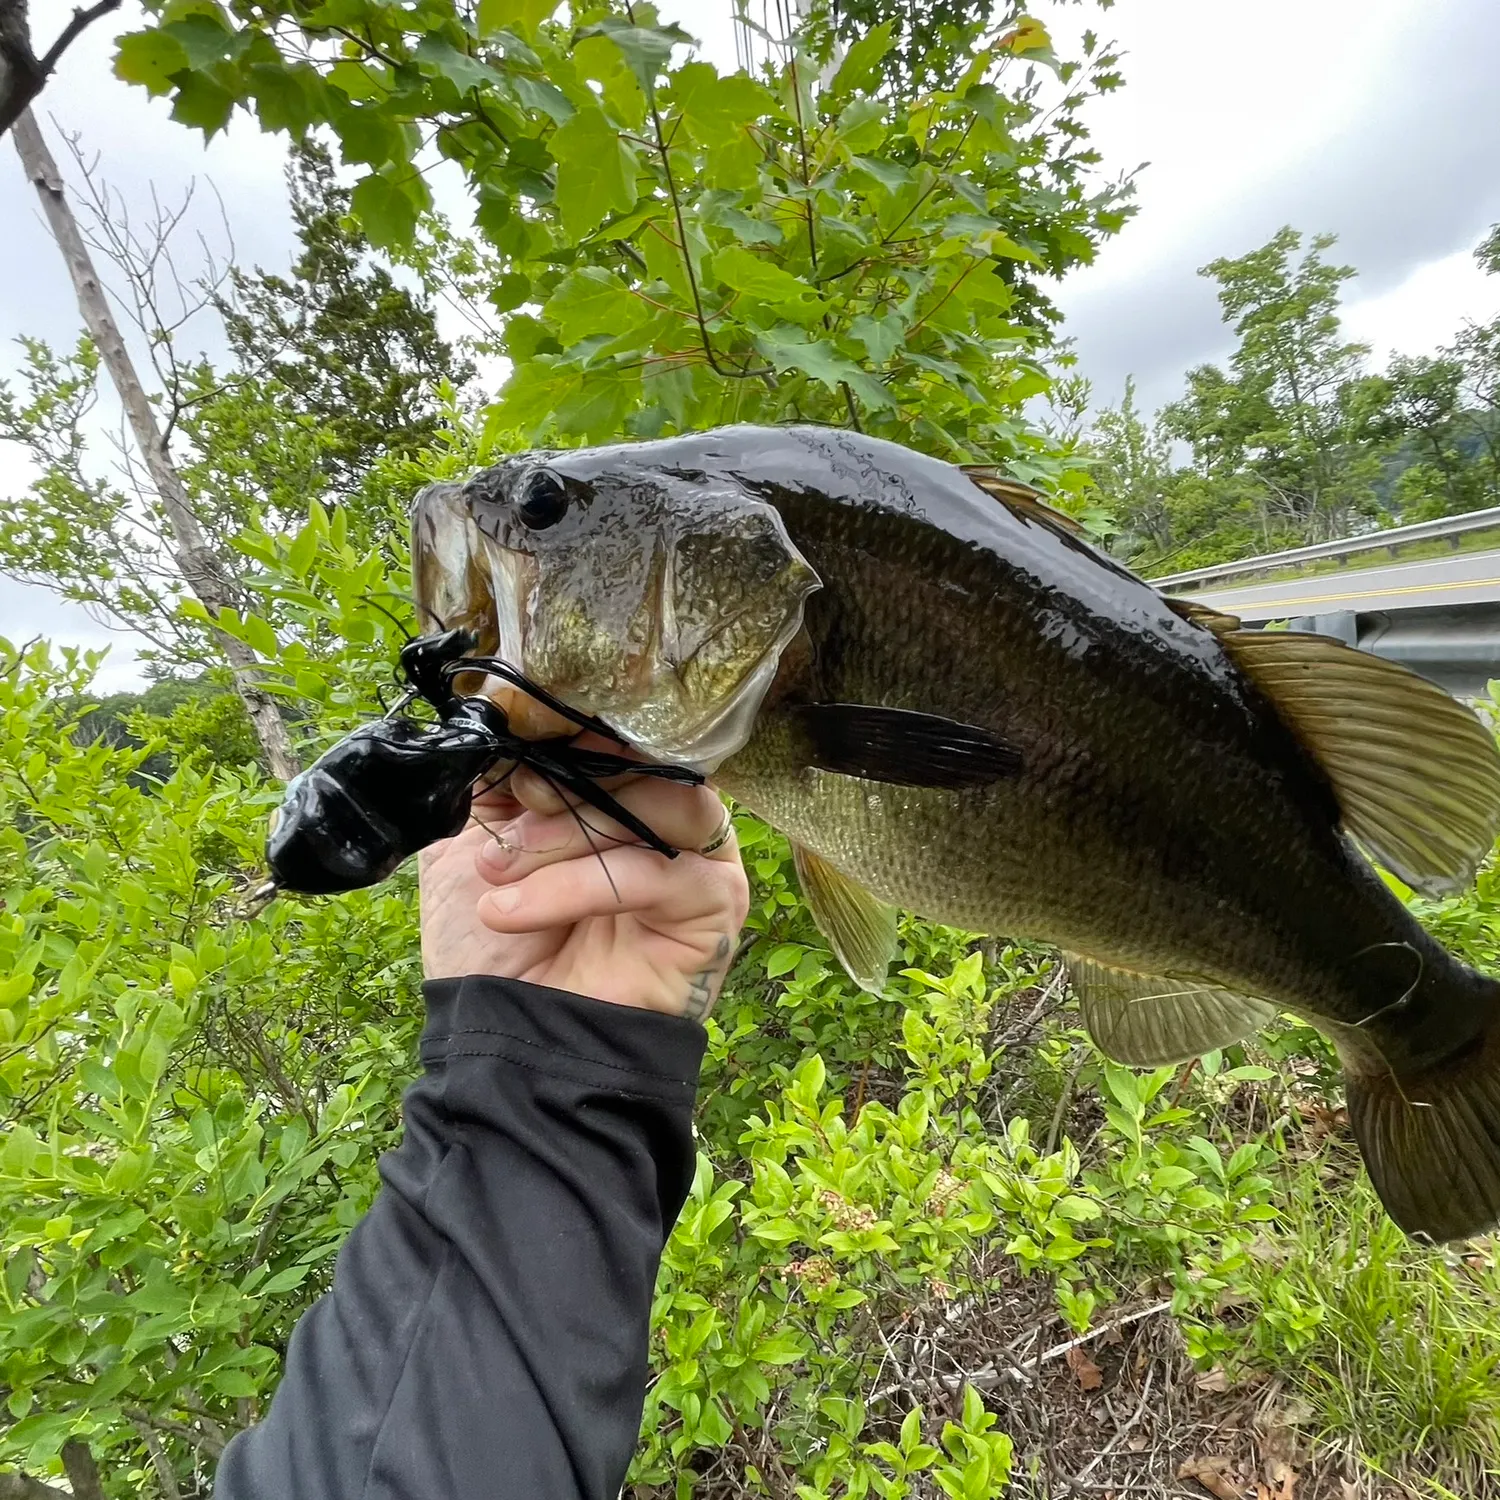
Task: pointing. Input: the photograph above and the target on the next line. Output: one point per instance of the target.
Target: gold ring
(721, 837)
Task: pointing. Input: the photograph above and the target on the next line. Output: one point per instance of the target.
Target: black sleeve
(485, 1336)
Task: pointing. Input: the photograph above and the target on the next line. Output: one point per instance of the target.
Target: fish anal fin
(860, 929)
(903, 747)
(1431, 1141)
(1417, 776)
(1149, 1021)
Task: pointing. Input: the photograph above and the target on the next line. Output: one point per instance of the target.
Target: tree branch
(24, 1487)
(201, 567)
(82, 1471)
(687, 258)
(22, 74)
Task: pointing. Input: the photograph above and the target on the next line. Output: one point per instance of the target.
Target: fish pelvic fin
(1431, 1140)
(860, 929)
(1148, 1021)
(1416, 775)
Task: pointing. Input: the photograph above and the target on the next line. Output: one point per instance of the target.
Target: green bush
(194, 1100)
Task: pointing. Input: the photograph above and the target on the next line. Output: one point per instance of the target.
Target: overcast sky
(1377, 120)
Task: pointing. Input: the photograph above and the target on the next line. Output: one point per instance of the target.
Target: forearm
(486, 1331)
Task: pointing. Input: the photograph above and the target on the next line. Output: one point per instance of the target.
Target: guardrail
(1374, 541)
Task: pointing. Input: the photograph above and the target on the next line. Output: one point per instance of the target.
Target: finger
(495, 797)
(541, 794)
(688, 818)
(638, 882)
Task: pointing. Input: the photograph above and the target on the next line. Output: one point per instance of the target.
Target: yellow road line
(1410, 588)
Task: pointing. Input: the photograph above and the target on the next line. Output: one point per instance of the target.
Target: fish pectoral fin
(903, 747)
(1148, 1021)
(860, 929)
(1417, 776)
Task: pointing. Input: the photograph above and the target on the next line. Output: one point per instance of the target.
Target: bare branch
(201, 567)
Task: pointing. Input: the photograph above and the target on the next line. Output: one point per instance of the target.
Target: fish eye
(541, 501)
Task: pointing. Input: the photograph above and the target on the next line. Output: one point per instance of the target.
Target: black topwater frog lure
(394, 786)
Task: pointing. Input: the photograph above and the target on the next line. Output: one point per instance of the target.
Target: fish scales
(952, 704)
(1164, 816)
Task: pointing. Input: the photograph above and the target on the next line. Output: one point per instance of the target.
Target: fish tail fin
(1430, 1138)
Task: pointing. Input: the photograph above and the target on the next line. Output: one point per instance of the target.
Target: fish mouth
(675, 651)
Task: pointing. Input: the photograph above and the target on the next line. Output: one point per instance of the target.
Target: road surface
(1432, 582)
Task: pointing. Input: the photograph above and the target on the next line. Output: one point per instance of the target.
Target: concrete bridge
(1438, 615)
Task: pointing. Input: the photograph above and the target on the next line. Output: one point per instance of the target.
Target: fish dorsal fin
(860, 930)
(1021, 498)
(1149, 1022)
(1417, 776)
(1202, 614)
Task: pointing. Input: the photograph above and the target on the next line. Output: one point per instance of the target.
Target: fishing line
(501, 842)
(389, 788)
(1396, 1004)
(369, 599)
(598, 853)
(1406, 994)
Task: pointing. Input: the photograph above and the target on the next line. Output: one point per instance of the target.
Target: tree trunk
(195, 558)
(22, 73)
(82, 1471)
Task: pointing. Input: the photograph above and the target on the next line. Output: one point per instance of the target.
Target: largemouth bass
(951, 703)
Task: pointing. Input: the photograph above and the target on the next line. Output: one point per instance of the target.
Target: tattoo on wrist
(702, 987)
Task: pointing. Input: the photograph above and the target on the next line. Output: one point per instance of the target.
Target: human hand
(525, 896)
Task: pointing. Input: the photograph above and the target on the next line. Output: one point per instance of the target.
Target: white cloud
(1426, 309)
(1376, 119)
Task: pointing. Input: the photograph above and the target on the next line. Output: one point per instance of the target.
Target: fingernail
(498, 855)
(506, 899)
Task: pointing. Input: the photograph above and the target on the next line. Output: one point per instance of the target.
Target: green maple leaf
(150, 58)
(596, 171)
(286, 98)
(860, 68)
(205, 38)
(645, 48)
(763, 280)
(818, 359)
(465, 73)
(523, 15)
(202, 102)
(593, 301)
(389, 216)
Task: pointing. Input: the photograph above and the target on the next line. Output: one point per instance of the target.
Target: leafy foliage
(197, 719)
(192, 1101)
(339, 379)
(666, 247)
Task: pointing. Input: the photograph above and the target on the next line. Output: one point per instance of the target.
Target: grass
(1392, 1349)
